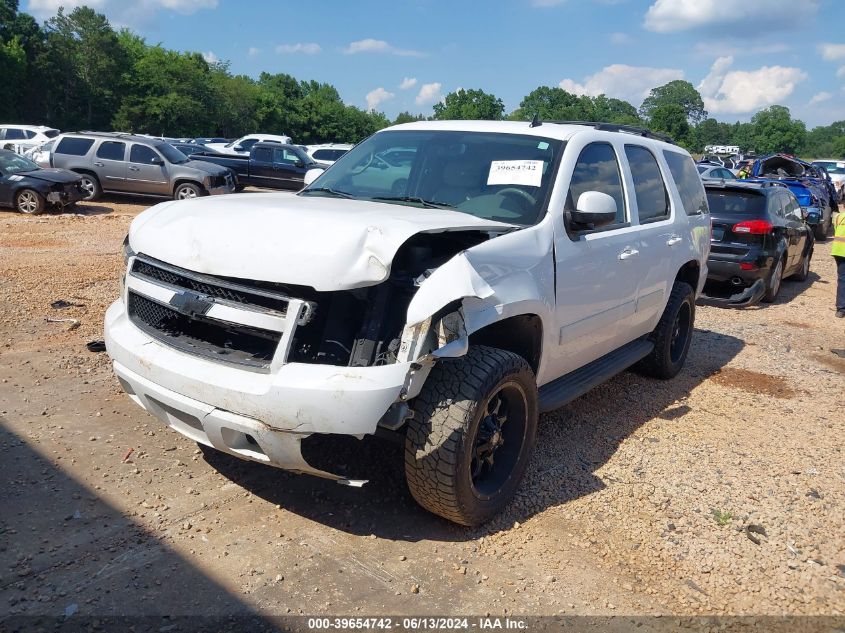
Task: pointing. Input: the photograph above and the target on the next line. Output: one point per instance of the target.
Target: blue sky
(742, 55)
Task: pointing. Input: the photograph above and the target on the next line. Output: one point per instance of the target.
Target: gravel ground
(719, 492)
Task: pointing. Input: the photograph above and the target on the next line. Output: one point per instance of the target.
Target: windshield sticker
(543, 145)
(516, 172)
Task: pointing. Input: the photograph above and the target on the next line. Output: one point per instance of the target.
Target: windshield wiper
(428, 204)
(334, 192)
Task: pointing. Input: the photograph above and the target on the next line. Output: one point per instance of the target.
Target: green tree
(552, 104)
(469, 104)
(13, 68)
(825, 141)
(671, 118)
(774, 130)
(678, 92)
(407, 117)
(610, 110)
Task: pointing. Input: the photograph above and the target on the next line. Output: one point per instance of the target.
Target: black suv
(758, 237)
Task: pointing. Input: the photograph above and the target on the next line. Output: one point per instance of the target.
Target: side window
(688, 182)
(142, 154)
(29, 134)
(14, 135)
(792, 206)
(652, 197)
(263, 154)
(112, 150)
(247, 144)
(597, 169)
(281, 155)
(776, 204)
(74, 146)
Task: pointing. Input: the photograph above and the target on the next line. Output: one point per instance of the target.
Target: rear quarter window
(74, 146)
(687, 181)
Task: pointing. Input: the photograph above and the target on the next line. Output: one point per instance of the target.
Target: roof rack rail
(618, 127)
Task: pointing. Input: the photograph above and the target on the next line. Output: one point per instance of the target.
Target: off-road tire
(30, 202)
(91, 185)
(669, 353)
(439, 444)
(804, 271)
(773, 288)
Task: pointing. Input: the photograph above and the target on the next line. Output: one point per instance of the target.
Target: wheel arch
(186, 181)
(521, 334)
(690, 273)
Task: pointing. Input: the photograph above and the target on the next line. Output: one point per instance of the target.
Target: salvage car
(513, 268)
(268, 165)
(792, 171)
(836, 171)
(758, 239)
(28, 188)
(122, 163)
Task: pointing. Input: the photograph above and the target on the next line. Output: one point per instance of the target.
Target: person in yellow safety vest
(838, 252)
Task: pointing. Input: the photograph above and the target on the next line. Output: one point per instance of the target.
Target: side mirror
(595, 209)
(156, 161)
(238, 148)
(300, 163)
(311, 175)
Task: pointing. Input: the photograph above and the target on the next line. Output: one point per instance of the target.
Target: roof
(136, 138)
(763, 186)
(19, 126)
(563, 131)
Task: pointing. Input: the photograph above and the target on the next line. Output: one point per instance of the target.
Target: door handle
(628, 253)
(675, 239)
(98, 164)
(134, 169)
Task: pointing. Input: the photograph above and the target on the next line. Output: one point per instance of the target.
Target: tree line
(76, 72)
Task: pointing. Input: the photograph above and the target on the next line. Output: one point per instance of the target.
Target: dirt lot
(722, 491)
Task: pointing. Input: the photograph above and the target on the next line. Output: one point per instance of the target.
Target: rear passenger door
(110, 164)
(657, 237)
(147, 172)
(596, 270)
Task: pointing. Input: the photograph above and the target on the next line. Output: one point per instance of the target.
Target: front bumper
(219, 191)
(65, 196)
(220, 405)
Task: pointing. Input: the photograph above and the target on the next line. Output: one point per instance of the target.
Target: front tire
(467, 448)
(29, 202)
(187, 191)
(672, 336)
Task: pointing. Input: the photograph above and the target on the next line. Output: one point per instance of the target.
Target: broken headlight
(127, 250)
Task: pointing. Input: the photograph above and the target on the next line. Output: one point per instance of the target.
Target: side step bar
(565, 389)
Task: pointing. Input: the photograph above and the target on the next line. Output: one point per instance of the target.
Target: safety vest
(838, 248)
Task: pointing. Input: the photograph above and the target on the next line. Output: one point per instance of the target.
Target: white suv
(499, 270)
(20, 138)
(327, 153)
(241, 146)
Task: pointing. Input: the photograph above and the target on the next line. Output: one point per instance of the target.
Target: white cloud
(210, 57)
(832, 52)
(375, 97)
(841, 72)
(546, 3)
(429, 93)
(743, 91)
(407, 83)
(726, 48)
(370, 45)
(745, 17)
(620, 39)
(632, 83)
(118, 11)
(252, 52)
(820, 97)
(308, 48)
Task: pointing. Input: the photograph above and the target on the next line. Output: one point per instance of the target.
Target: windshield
(831, 167)
(500, 177)
(14, 164)
(171, 154)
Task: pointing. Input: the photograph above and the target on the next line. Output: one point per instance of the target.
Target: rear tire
(91, 187)
(804, 271)
(472, 409)
(774, 283)
(29, 201)
(821, 229)
(672, 336)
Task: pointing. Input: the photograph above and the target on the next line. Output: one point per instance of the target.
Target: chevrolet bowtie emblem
(191, 304)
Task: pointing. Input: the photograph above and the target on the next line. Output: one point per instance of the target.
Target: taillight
(748, 266)
(754, 227)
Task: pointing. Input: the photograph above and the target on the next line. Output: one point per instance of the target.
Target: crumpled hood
(325, 243)
(211, 168)
(62, 176)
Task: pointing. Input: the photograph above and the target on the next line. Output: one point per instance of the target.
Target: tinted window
(281, 155)
(329, 154)
(598, 170)
(688, 182)
(74, 146)
(727, 202)
(14, 135)
(112, 150)
(51, 133)
(172, 154)
(29, 134)
(702, 168)
(263, 154)
(776, 201)
(652, 198)
(246, 145)
(142, 154)
(792, 206)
